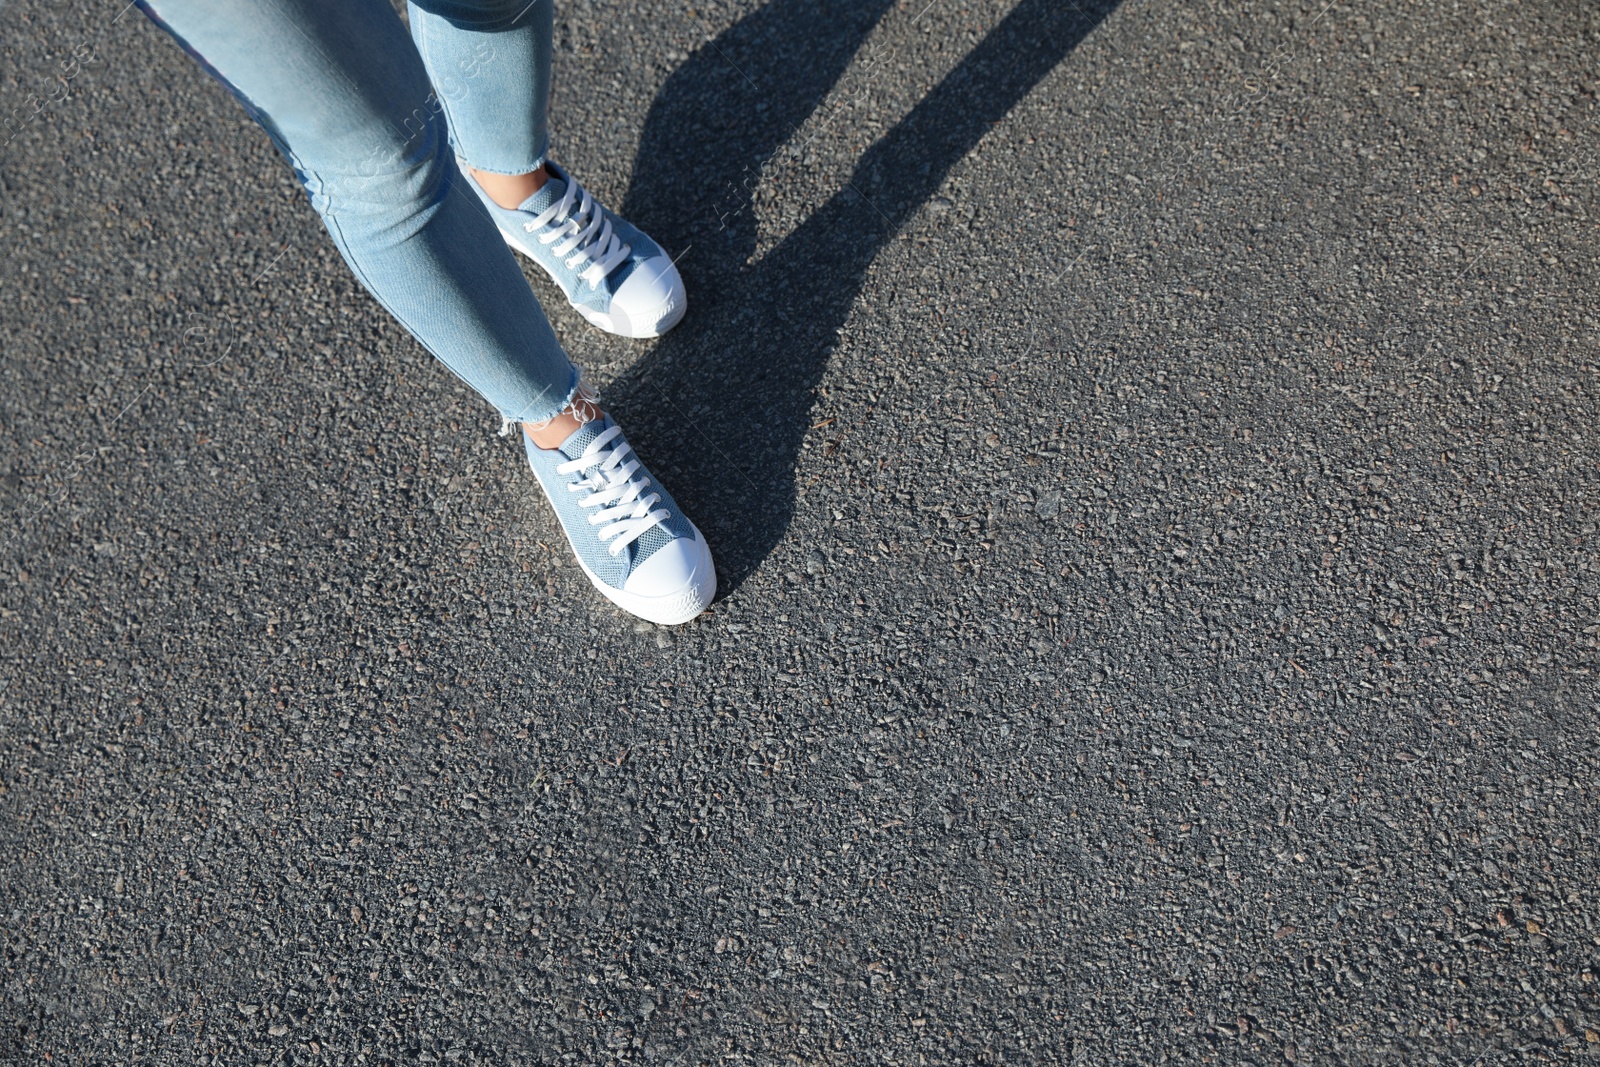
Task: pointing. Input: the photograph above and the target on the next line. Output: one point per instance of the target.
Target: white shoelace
(584, 234)
(612, 481)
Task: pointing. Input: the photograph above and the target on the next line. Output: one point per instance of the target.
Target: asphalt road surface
(1151, 454)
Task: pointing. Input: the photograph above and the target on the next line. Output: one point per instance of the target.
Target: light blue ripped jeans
(368, 117)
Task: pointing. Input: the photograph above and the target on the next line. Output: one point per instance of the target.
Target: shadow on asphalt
(762, 333)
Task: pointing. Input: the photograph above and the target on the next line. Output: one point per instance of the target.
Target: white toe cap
(670, 569)
(674, 585)
(650, 302)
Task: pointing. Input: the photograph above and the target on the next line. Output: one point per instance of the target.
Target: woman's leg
(342, 92)
(490, 64)
(489, 61)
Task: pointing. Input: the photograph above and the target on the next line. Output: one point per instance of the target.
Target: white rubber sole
(671, 609)
(662, 319)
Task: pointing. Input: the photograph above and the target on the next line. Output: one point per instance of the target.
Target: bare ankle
(510, 190)
(550, 433)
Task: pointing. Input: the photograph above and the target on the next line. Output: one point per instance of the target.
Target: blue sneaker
(630, 538)
(614, 276)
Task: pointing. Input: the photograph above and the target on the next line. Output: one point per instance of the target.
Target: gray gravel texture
(1151, 455)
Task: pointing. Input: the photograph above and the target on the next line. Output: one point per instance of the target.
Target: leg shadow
(760, 335)
(720, 118)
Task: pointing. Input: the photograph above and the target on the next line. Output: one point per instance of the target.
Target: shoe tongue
(551, 191)
(581, 438)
